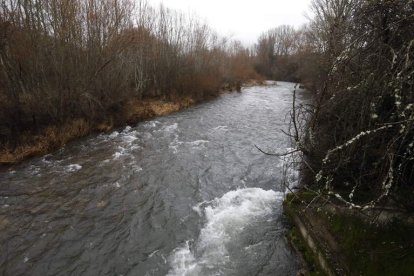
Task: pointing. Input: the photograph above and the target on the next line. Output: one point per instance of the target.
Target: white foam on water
(125, 141)
(136, 168)
(127, 129)
(175, 144)
(270, 82)
(135, 147)
(198, 208)
(194, 144)
(174, 148)
(153, 253)
(147, 135)
(198, 143)
(291, 171)
(113, 134)
(292, 177)
(226, 218)
(73, 168)
(224, 128)
(129, 138)
(252, 246)
(171, 128)
(151, 124)
(44, 159)
(127, 135)
(183, 262)
(34, 170)
(119, 153)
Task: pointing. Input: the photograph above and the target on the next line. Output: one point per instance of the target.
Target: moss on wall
(359, 246)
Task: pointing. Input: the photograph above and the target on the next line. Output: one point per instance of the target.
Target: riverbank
(135, 110)
(335, 240)
(53, 137)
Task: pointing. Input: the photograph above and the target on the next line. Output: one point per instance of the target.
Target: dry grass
(161, 108)
(51, 138)
(105, 126)
(56, 136)
(138, 110)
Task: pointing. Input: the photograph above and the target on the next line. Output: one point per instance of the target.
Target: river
(184, 194)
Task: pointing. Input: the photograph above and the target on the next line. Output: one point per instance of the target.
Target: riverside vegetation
(71, 67)
(356, 139)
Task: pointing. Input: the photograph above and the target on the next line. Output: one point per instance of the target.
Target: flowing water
(184, 194)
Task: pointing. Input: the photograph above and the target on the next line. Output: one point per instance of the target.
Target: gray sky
(242, 19)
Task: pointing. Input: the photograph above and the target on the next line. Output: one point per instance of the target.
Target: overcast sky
(243, 19)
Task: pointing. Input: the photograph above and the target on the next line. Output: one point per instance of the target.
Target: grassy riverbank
(53, 136)
(339, 241)
(134, 110)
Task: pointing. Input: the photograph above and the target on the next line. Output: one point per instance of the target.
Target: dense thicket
(61, 60)
(357, 58)
(359, 141)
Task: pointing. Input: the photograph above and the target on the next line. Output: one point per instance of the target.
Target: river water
(184, 194)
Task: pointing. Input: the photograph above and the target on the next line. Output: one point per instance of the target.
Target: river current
(183, 194)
